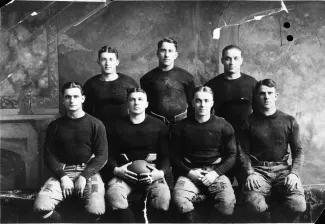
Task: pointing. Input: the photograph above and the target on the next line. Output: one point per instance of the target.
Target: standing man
(203, 149)
(169, 87)
(233, 96)
(106, 93)
(75, 150)
(138, 136)
(268, 134)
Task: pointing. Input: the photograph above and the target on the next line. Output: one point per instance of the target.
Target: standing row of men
(203, 148)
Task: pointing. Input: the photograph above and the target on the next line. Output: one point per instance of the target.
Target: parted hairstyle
(168, 40)
(265, 82)
(107, 49)
(69, 85)
(135, 90)
(206, 89)
(231, 47)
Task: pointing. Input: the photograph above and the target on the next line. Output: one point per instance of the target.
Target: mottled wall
(134, 28)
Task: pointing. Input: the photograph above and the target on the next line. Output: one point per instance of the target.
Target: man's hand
(252, 182)
(67, 186)
(149, 178)
(124, 173)
(209, 178)
(291, 181)
(197, 175)
(79, 185)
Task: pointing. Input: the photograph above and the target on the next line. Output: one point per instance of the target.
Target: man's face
(137, 103)
(108, 63)
(232, 61)
(73, 99)
(266, 97)
(167, 54)
(202, 103)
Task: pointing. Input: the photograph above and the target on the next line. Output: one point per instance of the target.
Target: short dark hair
(69, 85)
(231, 47)
(206, 89)
(135, 90)
(107, 49)
(168, 40)
(265, 82)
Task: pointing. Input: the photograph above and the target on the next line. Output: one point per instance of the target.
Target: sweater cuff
(295, 172)
(60, 174)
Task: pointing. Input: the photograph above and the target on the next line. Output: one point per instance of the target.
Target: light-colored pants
(271, 180)
(51, 195)
(185, 193)
(118, 191)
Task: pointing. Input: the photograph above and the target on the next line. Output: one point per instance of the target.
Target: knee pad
(44, 204)
(95, 205)
(226, 204)
(256, 203)
(183, 203)
(296, 203)
(117, 198)
(160, 200)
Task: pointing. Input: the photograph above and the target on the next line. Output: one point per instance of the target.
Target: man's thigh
(94, 195)
(159, 194)
(117, 192)
(49, 196)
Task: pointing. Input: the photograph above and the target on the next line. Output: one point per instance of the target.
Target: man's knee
(95, 204)
(182, 201)
(296, 203)
(44, 203)
(117, 198)
(225, 203)
(256, 202)
(160, 197)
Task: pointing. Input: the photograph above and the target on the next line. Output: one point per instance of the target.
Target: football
(139, 166)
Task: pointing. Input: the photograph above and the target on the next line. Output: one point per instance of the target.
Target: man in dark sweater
(265, 158)
(233, 95)
(203, 149)
(75, 150)
(169, 87)
(138, 136)
(106, 93)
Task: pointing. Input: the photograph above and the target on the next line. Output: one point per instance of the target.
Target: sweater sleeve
(244, 149)
(88, 105)
(189, 91)
(51, 160)
(163, 154)
(229, 150)
(296, 148)
(99, 147)
(176, 155)
(112, 153)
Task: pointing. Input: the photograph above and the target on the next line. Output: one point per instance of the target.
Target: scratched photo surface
(44, 44)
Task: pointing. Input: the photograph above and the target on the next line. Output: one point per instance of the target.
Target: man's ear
(176, 54)
(222, 60)
(276, 95)
(98, 62)
(117, 62)
(83, 98)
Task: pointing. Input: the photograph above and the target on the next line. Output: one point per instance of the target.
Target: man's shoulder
(248, 78)
(156, 122)
(215, 80)
(285, 116)
(126, 77)
(150, 73)
(182, 70)
(93, 120)
(93, 78)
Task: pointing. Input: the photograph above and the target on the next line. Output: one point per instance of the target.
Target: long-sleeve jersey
(202, 144)
(107, 100)
(136, 141)
(169, 92)
(267, 138)
(74, 141)
(233, 99)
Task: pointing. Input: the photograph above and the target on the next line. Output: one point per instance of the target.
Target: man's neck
(137, 118)
(268, 112)
(75, 114)
(165, 69)
(232, 76)
(202, 119)
(109, 77)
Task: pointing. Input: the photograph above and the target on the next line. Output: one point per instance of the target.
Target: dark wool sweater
(233, 99)
(267, 138)
(107, 100)
(137, 140)
(202, 144)
(169, 92)
(73, 141)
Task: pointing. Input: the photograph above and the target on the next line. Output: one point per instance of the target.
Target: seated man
(268, 132)
(75, 150)
(203, 149)
(136, 137)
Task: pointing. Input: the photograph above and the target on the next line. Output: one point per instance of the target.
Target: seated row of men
(94, 164)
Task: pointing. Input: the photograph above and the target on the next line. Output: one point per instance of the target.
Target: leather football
(139, 166)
